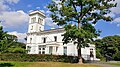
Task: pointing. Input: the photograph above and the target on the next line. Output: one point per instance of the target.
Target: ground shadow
(6, 65)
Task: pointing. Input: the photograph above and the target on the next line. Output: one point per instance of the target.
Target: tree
(108, 46)
(81, 13)
(9, 44)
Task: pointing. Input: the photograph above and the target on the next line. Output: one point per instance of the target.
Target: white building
(40, 41)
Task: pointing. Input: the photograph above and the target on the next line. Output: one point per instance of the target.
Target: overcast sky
(14, 17)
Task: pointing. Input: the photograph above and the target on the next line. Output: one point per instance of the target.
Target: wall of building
(35, 41)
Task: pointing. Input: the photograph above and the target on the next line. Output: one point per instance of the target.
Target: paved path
(104, 65)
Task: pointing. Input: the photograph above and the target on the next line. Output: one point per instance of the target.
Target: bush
(117, 56)
(36, 58)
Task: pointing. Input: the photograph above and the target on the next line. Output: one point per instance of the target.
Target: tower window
(33, 19)
(55, 38)
(40, 20)
(32, 28)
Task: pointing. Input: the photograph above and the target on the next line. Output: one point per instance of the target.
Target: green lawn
(43, 64)
(116, 64)
(14, 64)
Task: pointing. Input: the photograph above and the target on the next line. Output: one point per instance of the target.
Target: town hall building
(40, 41)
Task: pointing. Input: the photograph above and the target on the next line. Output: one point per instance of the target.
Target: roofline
(48, 31)
(37, 12)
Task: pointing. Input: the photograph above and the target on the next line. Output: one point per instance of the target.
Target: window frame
(55, 38)
(33, 19)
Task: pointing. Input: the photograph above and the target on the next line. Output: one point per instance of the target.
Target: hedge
(37, 58)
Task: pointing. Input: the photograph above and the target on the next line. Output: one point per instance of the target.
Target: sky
(15, 18)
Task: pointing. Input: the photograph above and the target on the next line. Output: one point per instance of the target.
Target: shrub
(36, 58)
(117, 56)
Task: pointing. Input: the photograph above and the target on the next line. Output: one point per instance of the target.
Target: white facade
(40, 41)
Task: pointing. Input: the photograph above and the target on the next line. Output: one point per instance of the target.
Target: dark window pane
(43, 52)
(39, 48)
(65, 51)
(43, 48)
(55, 38)
(39, 52)
(44, 40)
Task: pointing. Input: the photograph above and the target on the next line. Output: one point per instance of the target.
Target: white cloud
(42, 11)
(115, 11)
(48, 12)
(12, 1)
(110, 14)
(20, 36)
(49, 22)
(29, 5)
(38, 8)
(13, 18)
(4, 4)
(117, 20)
(97, 38)
(30, 11)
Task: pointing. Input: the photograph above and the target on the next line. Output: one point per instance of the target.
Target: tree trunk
(79, 45)
(80, 56)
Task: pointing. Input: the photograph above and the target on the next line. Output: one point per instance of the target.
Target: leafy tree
(81, 13)
(108, 46)
(9, 44)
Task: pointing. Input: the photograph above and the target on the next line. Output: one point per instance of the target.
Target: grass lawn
(116, 64)
(42, 64)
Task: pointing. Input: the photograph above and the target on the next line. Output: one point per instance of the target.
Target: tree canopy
(108, 46)
(77, 16)
(9, 44)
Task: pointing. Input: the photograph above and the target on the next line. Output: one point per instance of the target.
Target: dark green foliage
(9, 44)
(117, 56)
(36, 58)
(108, 46)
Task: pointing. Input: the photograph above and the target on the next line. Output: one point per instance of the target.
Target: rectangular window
(55, 38)
(65, 50)
(56, 49)
(50, 49)
(33, 19)
(39, 52)
(43, 52)
(40, 20)
(31, 27)
(28, 48)
(44, 40)
(30, 40)
(41, 49)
